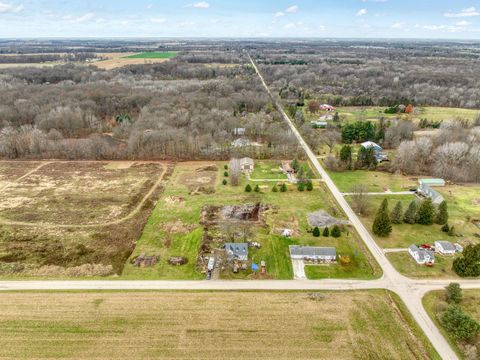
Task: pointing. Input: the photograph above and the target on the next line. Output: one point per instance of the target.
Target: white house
(445, 247)
(325, 254)
(421, 256)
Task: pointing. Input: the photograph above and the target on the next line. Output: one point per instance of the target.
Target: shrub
(336, 232)
(275, 188)
(326, 232)
(459, 324)
(248, 188)
(451, 231)
(301, 186)
(309, 186)
(225, 174)
(453, 293)
(316, 231)
(445, 228)
(283, 188)
(257, 189)
(224, 182)
(225, 167)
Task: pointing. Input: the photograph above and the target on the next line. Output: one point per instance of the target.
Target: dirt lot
(226, 325)
(74, 219)
(116, 60)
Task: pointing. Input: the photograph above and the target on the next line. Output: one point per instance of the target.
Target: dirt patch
(200, 181)
(476, 202)
(177, 260)
(174, 200)
(322, 219)
(145, 260)
(178, 227)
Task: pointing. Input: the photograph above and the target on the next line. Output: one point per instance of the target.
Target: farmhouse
(379, 154)
(324, 254)
(425, 189)
(421, 256)
(445, 247)
(236, 251)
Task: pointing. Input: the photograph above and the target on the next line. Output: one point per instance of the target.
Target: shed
(432, 182)
(327, 254)
(236, 251)
(445, 247)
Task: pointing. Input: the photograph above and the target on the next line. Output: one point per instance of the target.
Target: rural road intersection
(410, 291)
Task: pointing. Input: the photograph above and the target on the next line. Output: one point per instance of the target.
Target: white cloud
(293, 25)
(279, 14)
(468, 12)
(292, 9)
(398, 25)
(10, 8)
(462, 23)
(79, 19)
(447, 28)
(201, 5)
(158, 20)
(362, 12)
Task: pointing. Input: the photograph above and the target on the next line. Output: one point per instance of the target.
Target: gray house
(236, 251)
(421, 256)
(425, 189)
(326, 254)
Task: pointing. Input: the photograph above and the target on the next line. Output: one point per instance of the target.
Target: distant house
(445, 247)
(239, 131)
(425, 189)
(236, 251)
(247, 165)
(326, 107)
(378, 150)
(243, 142)
(421, 256)
(324, 254)
(318, 124)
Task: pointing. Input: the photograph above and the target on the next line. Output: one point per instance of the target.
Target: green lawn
(154, 55)
(404, 263)
(469, 304)
(268, 170)
(290, 211)
(375, 181)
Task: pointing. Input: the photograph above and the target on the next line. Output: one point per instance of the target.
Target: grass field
(112, 61)
(213, 325)
(469, 304)
(404, 263)
(154, 55)
(375, 181)
(268, 170)
(73, 219)
(177, 207)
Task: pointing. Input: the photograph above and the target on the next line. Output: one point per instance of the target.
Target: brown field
(11, 171)
(117, 60)
(208, 325)
(75, 219)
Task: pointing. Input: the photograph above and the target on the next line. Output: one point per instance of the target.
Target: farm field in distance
(65, 218)
(153, 55)
(174, 228)
(216, 325)
(112, 61)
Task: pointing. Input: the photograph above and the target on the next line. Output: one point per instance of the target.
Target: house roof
(432, 182)
(371, 144)
(312, 251)
(422, 253)
(446, 245)
(237, 249)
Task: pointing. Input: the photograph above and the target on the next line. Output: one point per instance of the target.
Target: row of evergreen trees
(336, 232)
(424, 214)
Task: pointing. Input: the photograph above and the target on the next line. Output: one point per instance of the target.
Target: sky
(429, 19)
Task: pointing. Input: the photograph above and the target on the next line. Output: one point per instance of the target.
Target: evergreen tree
(346, 155)
(326, 232)
(301, 186)
(442, 214)
(397, 213)
(451, 231)
(225, 167)
(248, 188)
(453, 293)
(309, 186)
(410, 215)
(257, 189)
(295, 165)
(445, 228)
(316, 231)
(382, 225)
(469, 263)
(459, 324)
(224, 182)
(283, 188)
(336, 232)
(225, 174)
(426, 212)
(275, 188)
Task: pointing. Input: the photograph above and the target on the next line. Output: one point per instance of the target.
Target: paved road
(409, 291)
